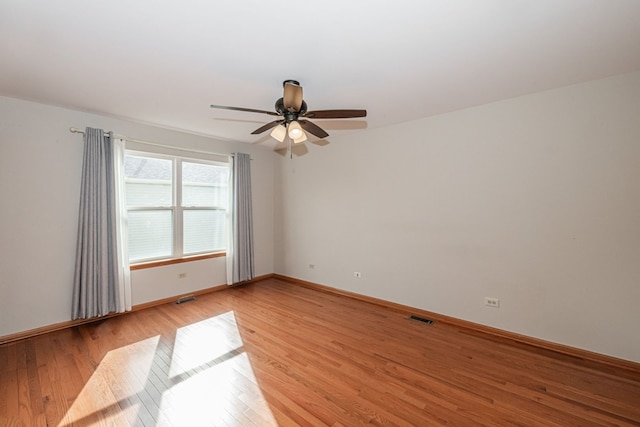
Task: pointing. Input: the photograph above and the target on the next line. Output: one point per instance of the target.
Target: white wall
(533, 200)
(40, 166)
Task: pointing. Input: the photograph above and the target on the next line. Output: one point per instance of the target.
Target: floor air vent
(185, 299)
(421, 319)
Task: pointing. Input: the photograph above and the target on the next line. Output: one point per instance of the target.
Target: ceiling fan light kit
(293, 111)
(279, 132)
(295, 130)
(302, 138)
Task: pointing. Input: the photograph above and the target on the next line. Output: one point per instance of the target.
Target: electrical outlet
(357, 274)
(182, 275)
(492, 302)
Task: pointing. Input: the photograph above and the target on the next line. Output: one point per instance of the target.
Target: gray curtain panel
(96, 273)
(240, 259)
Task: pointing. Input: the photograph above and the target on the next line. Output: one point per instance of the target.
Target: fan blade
(267, 127)
(292, 96)
(247, 110)
(335, 114)
(313, 129)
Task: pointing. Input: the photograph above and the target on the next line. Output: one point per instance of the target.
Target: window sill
(159, 263)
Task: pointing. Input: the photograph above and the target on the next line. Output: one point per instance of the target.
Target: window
(175, 206)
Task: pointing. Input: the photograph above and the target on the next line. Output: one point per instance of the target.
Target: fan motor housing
(290, 115)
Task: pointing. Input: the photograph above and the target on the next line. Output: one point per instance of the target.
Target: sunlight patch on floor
(219, 395)
(203, 343)
(205, 378)
(121, 373)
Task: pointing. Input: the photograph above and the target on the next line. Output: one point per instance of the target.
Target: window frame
(177, 210)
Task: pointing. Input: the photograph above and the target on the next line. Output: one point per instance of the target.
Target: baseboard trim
(175, 298)
(587, 357)
(71, 323)
(6, 339)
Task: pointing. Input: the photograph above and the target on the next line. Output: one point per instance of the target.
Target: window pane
(150, 234)
(148, 181)
(204, 185)
(204, 231)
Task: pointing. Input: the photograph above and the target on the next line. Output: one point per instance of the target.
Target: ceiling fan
(292, 110)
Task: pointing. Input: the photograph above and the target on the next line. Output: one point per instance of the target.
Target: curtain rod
(138, 141)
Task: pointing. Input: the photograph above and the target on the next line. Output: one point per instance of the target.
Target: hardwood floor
(273, 353)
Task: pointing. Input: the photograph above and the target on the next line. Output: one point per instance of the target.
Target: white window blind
(176, 206)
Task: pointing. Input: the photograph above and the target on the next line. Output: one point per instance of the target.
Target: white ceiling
(165, 62)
